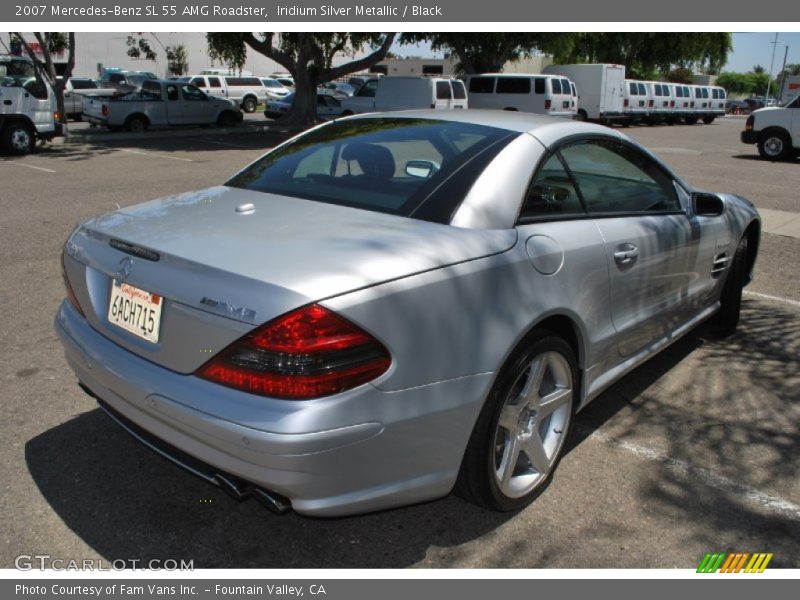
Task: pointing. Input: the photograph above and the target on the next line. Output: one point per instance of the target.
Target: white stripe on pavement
(773, 298)
(153, 154)
(720, 482)
(20, 164)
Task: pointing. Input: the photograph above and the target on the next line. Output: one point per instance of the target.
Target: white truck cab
(27, 106)
(776, 130)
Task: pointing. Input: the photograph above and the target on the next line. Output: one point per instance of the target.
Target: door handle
(626, 256)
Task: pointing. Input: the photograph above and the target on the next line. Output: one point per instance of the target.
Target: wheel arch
(137, 115)
(10, 119)
(772, 129)
(753, 235)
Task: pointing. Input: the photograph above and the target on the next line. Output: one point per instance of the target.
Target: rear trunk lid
(225, 260)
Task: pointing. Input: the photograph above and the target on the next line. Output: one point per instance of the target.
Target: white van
(662, 102)
(525, 92)
(27, 106)
(406, 93)
(683, 101)
(246, 91)
(718, 98)
(635, 100)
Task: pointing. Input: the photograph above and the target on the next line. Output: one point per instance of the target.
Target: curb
(103, 135)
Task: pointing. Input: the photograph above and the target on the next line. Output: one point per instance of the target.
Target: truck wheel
(249, 105)
(775, 145)
(136, 124)
(582, 115)
(690, 120)
(708, 120)
(18, 138)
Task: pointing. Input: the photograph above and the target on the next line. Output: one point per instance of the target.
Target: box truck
(600, 89)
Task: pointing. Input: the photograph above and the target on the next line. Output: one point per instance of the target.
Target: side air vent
(720, 264)
(135, 250)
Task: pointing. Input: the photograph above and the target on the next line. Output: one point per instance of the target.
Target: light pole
(783, 73)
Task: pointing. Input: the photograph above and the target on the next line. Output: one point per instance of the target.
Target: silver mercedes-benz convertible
(392, 306)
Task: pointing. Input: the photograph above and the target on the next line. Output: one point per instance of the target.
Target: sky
(749, 49)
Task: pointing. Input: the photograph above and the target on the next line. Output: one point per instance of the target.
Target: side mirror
(707, 205)
(421, 169)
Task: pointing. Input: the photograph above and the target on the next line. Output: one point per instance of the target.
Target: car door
(659, 260)
(172, 104)
(328, 106)
(195, 106)
(794, 109)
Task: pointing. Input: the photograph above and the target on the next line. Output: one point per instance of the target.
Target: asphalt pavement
(696, 451)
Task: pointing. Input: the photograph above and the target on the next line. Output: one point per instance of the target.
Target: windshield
(390, 165)
(17, 71)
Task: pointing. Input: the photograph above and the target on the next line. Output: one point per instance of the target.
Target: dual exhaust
(239, 490)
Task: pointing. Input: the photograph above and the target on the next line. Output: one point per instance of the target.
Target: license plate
(136, 311)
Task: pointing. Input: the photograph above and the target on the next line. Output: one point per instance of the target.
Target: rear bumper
(358, 451)
(749, 137)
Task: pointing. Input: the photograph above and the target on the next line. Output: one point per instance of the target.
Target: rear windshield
(391, 165)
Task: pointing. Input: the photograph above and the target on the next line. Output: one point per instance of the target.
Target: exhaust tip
(236, 489)
(274, 502)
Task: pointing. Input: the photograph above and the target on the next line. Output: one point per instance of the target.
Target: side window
(551, 193)
(539, 85)
(172, 93)
(214, 82)
(513, 85)
(555, 84)
(642, 90)
(565, 86)
(368, 89)
(615, 178)
(36, 88)
(481, 85)
(443, 91)
(459, 92)
(198, 81)
(634, 89)
(191, 93)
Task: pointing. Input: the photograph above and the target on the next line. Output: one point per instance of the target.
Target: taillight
(672, 103)
(650, 103)
(548, 104)
(749, 123)
(73, 299)
(625, 103)
(105, 110)
(307, 353)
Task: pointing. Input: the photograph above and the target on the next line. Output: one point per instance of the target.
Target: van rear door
(459, 94)
(443, 94)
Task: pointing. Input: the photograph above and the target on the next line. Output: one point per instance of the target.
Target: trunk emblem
(246, 208)
(124, 269)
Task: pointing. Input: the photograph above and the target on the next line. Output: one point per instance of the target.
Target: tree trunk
(304, 108)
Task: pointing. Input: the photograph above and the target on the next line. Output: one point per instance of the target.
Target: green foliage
(177, 59)
(139, 46)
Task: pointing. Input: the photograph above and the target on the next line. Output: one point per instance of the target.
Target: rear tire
(727, 319)
(691, 120)
(18, 138)
(249, 105)
(775, 145)
(226, 119)
(708, 120)
(521, 431)
(136, 124)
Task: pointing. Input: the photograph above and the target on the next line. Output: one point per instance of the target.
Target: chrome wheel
(21, 140)
(532, 424)
(773, 146)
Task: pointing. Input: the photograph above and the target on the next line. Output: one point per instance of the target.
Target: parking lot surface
(696, 451)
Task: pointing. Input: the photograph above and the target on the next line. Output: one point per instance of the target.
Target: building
(448, 67)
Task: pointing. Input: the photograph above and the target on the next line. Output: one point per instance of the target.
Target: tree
(177, 59)
(308, 57)
(489, 52)
(49, 44)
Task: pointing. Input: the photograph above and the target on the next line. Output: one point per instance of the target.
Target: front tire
(775, 145)
(521, 431)
(727, 319)
(18, 139)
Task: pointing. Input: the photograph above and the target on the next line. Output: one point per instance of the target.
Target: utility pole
(783, 74)
(771, 64)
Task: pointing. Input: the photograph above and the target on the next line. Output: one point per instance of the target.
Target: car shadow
(757, 158)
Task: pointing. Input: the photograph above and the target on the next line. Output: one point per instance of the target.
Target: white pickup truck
(161, 103)
(776, 130)
(27, 106)
(78, 88)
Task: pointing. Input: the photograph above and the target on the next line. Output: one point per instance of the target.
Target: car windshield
(390, 165)
(271, 83)
(15, 72)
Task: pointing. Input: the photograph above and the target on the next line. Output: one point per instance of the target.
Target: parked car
(776, 130)
(123, 80)
(407, 93)
(392, 305)
(275, 89)
(78, 88)
(534, 93)
(737, 107)
(338, 89)
(246, 91)
(27, 106)
(327, 106)
(161, 103)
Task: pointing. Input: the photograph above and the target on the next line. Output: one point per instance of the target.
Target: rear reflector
(625, 103)
(547, 104)
(650, 104)
(307, 353)
(73, 299)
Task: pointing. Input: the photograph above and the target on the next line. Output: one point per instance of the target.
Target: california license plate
(136, 311)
